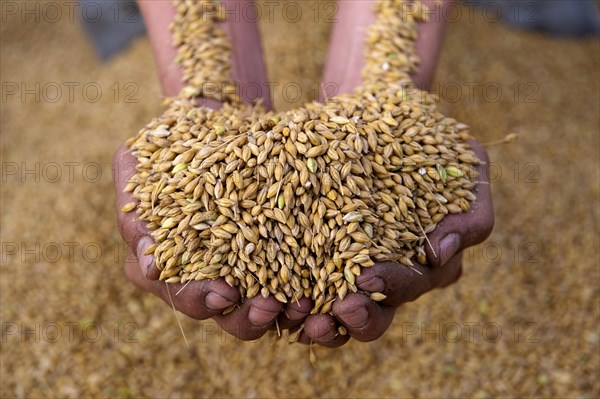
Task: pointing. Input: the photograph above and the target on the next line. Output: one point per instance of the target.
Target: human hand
(208, 298)
(255, 316)
(200, 299)
(366, 320)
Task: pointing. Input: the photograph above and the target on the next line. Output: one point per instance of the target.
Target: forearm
(246, 58)
(346, 52)
(158, 14)
(429, 42)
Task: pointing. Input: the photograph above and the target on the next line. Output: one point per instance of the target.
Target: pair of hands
(364, 319)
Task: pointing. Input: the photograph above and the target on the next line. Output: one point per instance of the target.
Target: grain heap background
(552, 204)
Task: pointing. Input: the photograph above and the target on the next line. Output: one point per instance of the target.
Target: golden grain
(294, 204)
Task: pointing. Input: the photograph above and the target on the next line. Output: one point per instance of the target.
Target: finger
(198, 299)
(401, 284)
(294, 313)
(252, 319)
(131, 228)
(397, 282)
(453, 272)
(458, 231)
(364, 319)
(323, 330)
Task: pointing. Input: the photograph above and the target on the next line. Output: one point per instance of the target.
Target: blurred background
(523, 321)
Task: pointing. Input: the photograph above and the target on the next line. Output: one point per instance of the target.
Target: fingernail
(259, 317)
(145, 261)
(328, 336)
(215, 301)
(296, 312)
(449, 245)
(371, 284)
(357, 318)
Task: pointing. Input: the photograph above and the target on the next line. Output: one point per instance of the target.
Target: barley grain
(295, 204)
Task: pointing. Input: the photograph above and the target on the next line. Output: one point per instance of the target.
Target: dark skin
(364, 319)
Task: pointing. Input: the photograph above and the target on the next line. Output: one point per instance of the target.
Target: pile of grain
(295, 204)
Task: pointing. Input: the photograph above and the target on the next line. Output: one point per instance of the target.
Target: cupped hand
(203, 299)
(363, 319)
(208, 298)
(366, 320)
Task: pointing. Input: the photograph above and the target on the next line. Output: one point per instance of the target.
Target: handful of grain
(295, 204)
